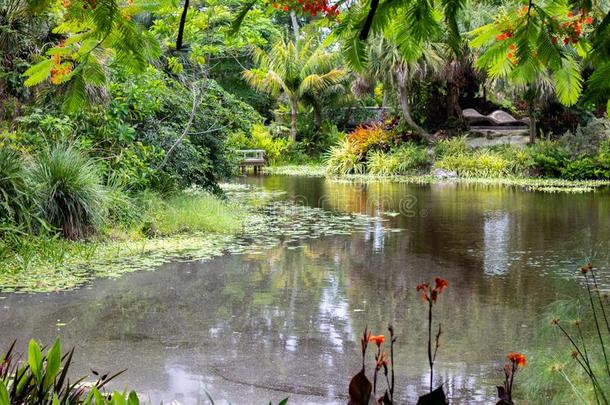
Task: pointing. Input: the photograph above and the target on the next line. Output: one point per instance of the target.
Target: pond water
(285, 321)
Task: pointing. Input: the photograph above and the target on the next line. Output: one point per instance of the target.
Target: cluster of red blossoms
(429, 293)
(311, 7)
(571, 30)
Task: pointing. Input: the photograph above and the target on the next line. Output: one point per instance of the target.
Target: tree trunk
(293, 119)
(453, 101)
(181, 26)
(317, 114)
(532, 117)
(295, 26)
(404, 104)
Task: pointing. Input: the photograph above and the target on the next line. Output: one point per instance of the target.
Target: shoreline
(527, 183)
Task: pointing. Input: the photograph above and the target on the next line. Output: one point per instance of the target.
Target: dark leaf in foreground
(360, 389)
(504, 397)
(436, 397)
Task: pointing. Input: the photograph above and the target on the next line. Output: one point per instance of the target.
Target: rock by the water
(444, 174)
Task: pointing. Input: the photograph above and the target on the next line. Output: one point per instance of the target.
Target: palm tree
(399, 61)
(295, 69)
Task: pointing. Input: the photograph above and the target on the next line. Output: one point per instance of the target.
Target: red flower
(588, 20)
(284, 8)
(554, 39)
(441, 284)
(570, 14)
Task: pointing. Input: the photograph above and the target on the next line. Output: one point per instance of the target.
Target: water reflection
(254, 328)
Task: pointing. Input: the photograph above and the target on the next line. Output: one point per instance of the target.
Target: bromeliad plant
(42, 378)
(361, 389)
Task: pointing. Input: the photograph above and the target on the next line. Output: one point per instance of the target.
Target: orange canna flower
(517, 359)
(377, 339)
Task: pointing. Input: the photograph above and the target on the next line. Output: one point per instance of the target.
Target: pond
(286, 320)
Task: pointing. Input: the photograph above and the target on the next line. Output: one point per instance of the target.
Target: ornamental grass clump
(68, 191)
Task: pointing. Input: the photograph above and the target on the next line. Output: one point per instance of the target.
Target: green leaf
(35, 359)
(117, 398)
(354, 51)
(608, 109)
(568, 81)
(3, 394)
(55, 400)
(133, 399)
(38, 73)
(241, 15)
(53, 364)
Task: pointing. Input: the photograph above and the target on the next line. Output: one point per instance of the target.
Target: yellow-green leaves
(38, 73)
(568, 81)
(53, 365)
(35, 359)
(3, 394)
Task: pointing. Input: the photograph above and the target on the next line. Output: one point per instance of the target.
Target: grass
(188, 224)
(527, 183)
(188, 213)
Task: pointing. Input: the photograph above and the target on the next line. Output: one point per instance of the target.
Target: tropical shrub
(587, 168)
(382, 163)
(372, 137)
(587, 139)
(518, 158)
(548, 158)
(68, 191)
(43, 378)
(482, 163)
(345, 158)
(404, 160)
(451, 147)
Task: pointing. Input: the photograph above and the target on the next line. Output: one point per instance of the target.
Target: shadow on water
(286, 321)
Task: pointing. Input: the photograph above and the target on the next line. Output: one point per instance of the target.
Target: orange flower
(377, 339)
(66, 3)
(588, 20)
(510, 55)
(517, 359)
(284, 8)
(570, 14)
